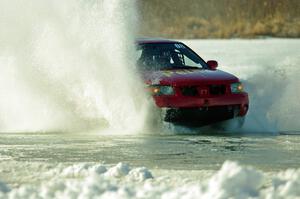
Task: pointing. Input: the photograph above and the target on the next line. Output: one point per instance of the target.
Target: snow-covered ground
(56, 165)
(121, 181)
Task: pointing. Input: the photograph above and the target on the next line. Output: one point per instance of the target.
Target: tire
(240, 121)
(154, 119)
(230, 125)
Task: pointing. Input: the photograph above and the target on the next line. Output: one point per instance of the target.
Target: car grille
(189, 91)
(217, 89)
(211, 90)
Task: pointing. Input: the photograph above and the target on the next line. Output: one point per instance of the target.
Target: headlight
(161, 90)
(237, 87)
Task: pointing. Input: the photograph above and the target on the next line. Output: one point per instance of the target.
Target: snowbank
(122, 181)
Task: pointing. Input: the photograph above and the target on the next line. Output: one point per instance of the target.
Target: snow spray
(68, 66)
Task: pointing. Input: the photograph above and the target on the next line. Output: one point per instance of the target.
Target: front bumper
(239, 101)
(200, 116)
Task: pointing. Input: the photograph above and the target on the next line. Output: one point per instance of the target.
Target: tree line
(219, 18)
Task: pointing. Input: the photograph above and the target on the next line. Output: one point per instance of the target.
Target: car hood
(188, 77)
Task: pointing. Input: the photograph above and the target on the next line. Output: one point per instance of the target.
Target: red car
(191, 92)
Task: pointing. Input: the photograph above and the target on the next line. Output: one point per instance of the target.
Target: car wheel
(230, 125)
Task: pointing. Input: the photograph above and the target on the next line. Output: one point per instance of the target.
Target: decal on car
(178, 72)
(179, 46)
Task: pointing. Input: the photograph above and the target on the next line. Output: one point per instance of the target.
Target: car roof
(154, 41)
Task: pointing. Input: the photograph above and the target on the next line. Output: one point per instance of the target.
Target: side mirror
(212, 64)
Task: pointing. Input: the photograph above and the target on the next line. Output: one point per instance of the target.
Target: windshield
(162, 56)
